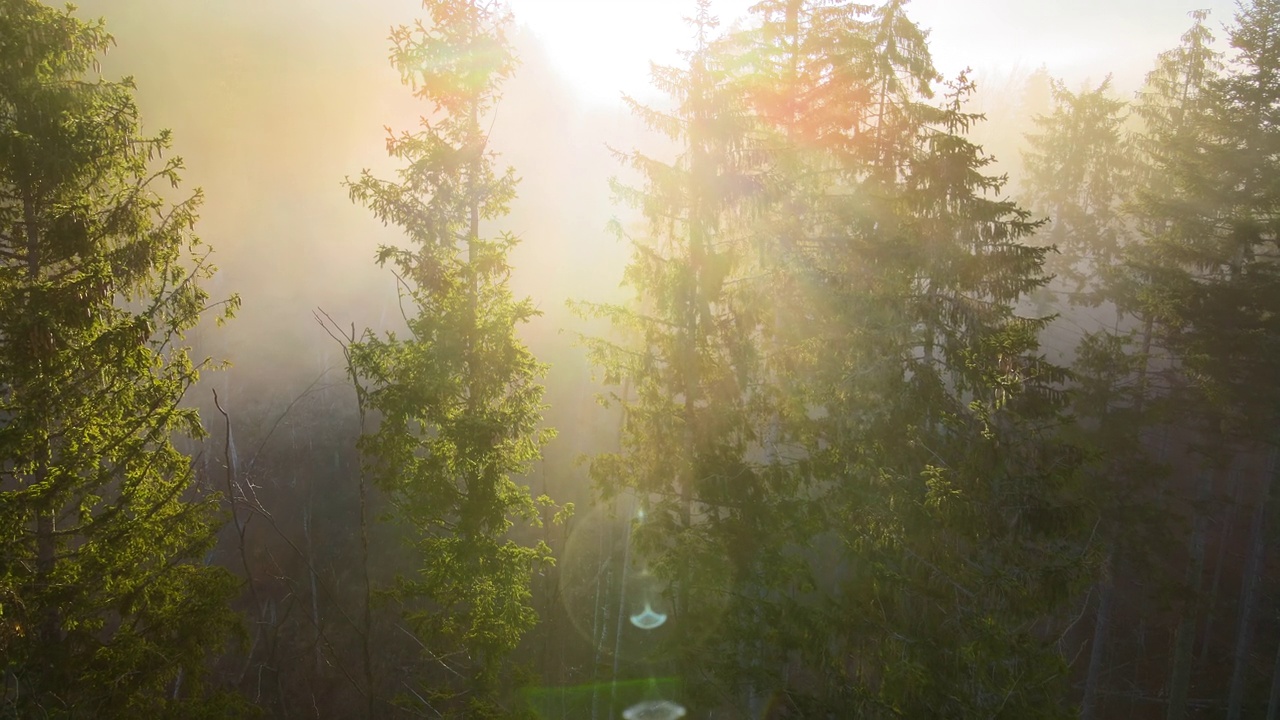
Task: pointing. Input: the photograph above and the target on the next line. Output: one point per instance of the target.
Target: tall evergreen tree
(1077, 171)
(1219, 290)
(1204, 287)
(105, 609)
(918, 398)
(892, 401)
(458, 404)
(1122, 398)
(1221, 218)
(948, 487)
(690, 366)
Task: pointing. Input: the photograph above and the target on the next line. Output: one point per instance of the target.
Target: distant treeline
(876, 433)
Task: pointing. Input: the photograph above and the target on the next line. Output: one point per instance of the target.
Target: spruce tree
(1217, 290)
(920, 401)
(890, 402)
(946, 479)
(457, 404)
(688, 360)
(1221, 232)
(877, 395)
(1111, 201)
(1077, 171)
(105, 607)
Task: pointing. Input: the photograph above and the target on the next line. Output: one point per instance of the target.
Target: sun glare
(604, 48)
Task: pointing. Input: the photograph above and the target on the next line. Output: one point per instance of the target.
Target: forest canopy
(820, 382)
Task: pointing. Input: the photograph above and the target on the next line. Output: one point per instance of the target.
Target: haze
(273, 103)
(879, 406)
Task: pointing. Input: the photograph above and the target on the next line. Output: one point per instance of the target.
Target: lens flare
(648, 619)
(654, 710)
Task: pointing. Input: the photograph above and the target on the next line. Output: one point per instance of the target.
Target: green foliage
(1214, 282)
(1184, 211)
(699, 446)
(1078, 173)
(824, 353)
(1081, 172)
(105, 612)
(919, 401)
(458, 406)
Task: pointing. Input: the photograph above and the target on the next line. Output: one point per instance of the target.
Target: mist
(276, 105)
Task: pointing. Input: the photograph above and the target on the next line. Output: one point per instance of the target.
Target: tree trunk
(1097, 653)
(45, 563)
(1249, 593)
(1184, 642)
(1273, 703)
(622, 613)
(1224, 539)
(46, 525)
(311, 575)
(367, 619)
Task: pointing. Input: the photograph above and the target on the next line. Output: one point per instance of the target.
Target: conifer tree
(105, 609)
(689, 361)
(951, 487)
(1221, 234)
(1076, 173)
(1218, 291)
(886, 398)
(1097, 185)
(920, 400)
(458, 404)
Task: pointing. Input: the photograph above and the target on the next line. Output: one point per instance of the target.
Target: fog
(273, 103)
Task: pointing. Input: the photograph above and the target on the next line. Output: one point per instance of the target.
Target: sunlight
(902, 415)
(604, 48)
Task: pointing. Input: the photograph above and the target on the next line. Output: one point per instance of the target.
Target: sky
(603, 47)
(273, 102)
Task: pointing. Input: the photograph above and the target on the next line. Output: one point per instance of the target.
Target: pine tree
(919, 399)
(1219, 292)
(1205, 280)
(1076, 174)
(873, 386)
(1079, 172)
(105, 609)
(1222, 233)
(1093, 181)
(690, 366)
(962, 496)
(458, 404)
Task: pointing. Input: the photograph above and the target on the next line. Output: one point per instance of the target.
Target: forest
(820, 382)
